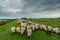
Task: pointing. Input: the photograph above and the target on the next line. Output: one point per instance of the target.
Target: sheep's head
(20, 21)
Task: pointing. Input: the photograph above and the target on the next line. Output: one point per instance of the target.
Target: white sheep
(33, 27)
(18, 29)
(44, 27)
(40, 26)
(18, 21)
(24, 24)
(13, 29)
(29, 26)
(56, 30)
(29, 31)
(22, 30)
(36, 26)
(49, 28)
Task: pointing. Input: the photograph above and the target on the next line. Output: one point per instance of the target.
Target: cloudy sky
(29, 8)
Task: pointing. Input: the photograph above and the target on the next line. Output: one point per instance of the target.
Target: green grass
(5, 33)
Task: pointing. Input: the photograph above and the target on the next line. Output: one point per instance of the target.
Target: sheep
(40, 26)
(22, 30)
(59, 32)
(33, 27)
(44, 27)
(36, 26)
(29, 26)
(49, 29)
(56, 30)
(29, 31)
(18, 29)
(24, 24)
(18, 21)
(13, 29)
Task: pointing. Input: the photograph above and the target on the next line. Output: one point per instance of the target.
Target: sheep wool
(40, 27)
(37, 26)
(49, 28)
(13, 29)
(18, 29)
(44, 27)
(29, 31)
(24, 24)
(33, 27)
(55, 30)
(22, 29)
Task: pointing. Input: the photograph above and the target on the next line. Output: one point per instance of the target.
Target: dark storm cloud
(41, 5)
(30, 8)
(33, 5)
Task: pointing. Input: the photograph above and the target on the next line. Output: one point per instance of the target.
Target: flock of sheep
(30, 27)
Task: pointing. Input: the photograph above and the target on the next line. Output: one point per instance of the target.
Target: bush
(24, 18)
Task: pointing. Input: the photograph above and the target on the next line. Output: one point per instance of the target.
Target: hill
(5, 33)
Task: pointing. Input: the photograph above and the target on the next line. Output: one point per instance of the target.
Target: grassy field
(5, 33)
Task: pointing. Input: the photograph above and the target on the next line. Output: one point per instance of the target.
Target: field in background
(5, 33)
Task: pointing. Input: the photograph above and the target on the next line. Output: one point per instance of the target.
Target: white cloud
(54, 15)
(9, 17)
(10, 10)
(7, 0)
